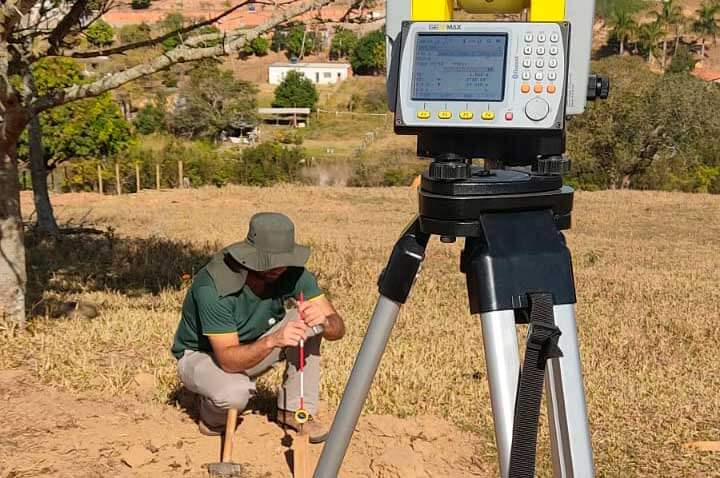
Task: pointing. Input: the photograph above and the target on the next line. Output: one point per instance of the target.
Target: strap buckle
(544, 338)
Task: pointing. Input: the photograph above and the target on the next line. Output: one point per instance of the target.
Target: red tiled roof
(707, 75)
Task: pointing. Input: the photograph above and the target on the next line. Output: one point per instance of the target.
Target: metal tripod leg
(567, 411)
(503, 369)
(357, 389)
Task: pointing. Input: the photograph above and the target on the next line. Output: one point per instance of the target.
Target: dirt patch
(49, 432)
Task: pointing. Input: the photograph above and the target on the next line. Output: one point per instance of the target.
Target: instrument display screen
(459, 67)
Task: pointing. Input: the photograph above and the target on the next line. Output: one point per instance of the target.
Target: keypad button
(552, 76)
(528, 38)
(525, 88)
(488, 115)
(551, 89)
(541, 50)
(539, 76)
(467, 115)
(526, 75)
(554, 50)
(527, 62)
(555, 38)
(538, 89)
(527, 50)
(423, 115)
(509, 116)
(540, 63)
(541, 38)
(444, 115)
(553, 63)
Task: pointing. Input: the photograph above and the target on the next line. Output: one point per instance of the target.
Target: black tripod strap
(542, 344)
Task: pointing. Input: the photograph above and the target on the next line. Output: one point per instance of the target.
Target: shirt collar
(226, 281)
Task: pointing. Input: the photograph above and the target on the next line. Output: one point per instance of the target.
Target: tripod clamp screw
(450, 167)
(553, 166)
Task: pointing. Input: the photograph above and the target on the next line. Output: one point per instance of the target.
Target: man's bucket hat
(270, 244)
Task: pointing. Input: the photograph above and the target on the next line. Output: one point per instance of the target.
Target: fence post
(118, 186)
(137, 178)
(100, 180)
(157, 176)
(180, 174)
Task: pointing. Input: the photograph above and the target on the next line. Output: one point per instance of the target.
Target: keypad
(540, 62)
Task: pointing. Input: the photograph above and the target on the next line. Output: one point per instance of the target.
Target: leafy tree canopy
(296, 38)
(296, 91)
(134, 33)
(212, 102)
(343, 43)
(100, 33)
(368, 57)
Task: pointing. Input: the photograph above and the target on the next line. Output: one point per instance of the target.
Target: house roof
(310, 65)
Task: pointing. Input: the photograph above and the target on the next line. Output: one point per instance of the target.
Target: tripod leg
(567, 411)
(503, 369)
(395, 284)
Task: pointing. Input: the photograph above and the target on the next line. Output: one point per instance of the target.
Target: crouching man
(235, 326)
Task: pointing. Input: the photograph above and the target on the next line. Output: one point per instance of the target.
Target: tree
(343, 43)
(134, 33)
(369, 54)
(669, 17)
(623, 28)
(100, 33)
(682, 61)
(24, 40)
(609, 8)
(295, 91)
(213, 102)
(299, 42)
(706, 24)
(649, 35)
(151, 118)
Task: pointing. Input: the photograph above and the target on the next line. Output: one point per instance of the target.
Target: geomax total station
(488, 102)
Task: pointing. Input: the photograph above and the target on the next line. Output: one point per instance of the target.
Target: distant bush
(140, 4)
(270, 163)
(134, 33)
(150, 119)
(683, 61)
(300, 42)
(258, 46)
(100, 33)
(343, 43)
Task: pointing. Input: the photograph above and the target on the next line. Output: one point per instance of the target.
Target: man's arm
(236, 358)
(320, 311)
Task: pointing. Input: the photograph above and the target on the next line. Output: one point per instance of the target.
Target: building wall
(328, 75)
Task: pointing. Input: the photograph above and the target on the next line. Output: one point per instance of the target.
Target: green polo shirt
(218, 302)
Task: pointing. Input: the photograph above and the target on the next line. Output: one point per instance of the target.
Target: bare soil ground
(647, 269)
(48, 432)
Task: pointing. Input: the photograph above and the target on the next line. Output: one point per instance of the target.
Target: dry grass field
(647, 269)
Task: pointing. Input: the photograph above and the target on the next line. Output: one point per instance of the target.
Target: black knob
(598, 87)
(450, 167)
(553, 166)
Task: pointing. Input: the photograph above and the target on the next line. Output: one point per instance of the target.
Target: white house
(318, 73)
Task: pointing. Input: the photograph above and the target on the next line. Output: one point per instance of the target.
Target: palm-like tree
(649, 35)
(669, 16)
(623, 27)
(706, 24)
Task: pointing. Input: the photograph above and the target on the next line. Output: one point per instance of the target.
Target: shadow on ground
(83, 260)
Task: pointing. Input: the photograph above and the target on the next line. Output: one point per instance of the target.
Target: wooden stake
(118, 186)
(181, 175)
(157, 176)
(100, 181)
(301, 452)
(137, 178)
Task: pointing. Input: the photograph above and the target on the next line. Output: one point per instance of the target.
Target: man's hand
(320, 311)
(316, 312)
(289, 335)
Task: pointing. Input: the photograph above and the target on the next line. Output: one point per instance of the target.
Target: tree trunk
(702, 50)
(45, 216)
(622, 47)
(13, 276)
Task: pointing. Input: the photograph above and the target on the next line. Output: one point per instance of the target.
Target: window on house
(327, 74)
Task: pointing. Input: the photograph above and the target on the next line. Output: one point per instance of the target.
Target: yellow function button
(423, 115)
(444, 115)
(488, 115)
(467, 115)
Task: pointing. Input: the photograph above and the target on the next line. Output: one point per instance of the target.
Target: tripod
(514, 258)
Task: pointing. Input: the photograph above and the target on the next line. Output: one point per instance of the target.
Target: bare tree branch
(181, 54)
(12, 13)
(64, 26)
(157, 40)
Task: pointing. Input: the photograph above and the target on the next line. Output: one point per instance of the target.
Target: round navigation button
(554, 38)
(537, 109)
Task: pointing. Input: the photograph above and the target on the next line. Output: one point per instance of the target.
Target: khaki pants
(221, 390)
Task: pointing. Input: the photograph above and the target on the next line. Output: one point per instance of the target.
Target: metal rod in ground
(137, 178)
(118, 186)
(358, 386)
(157, 176)
(181, 174)
(100, 179)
